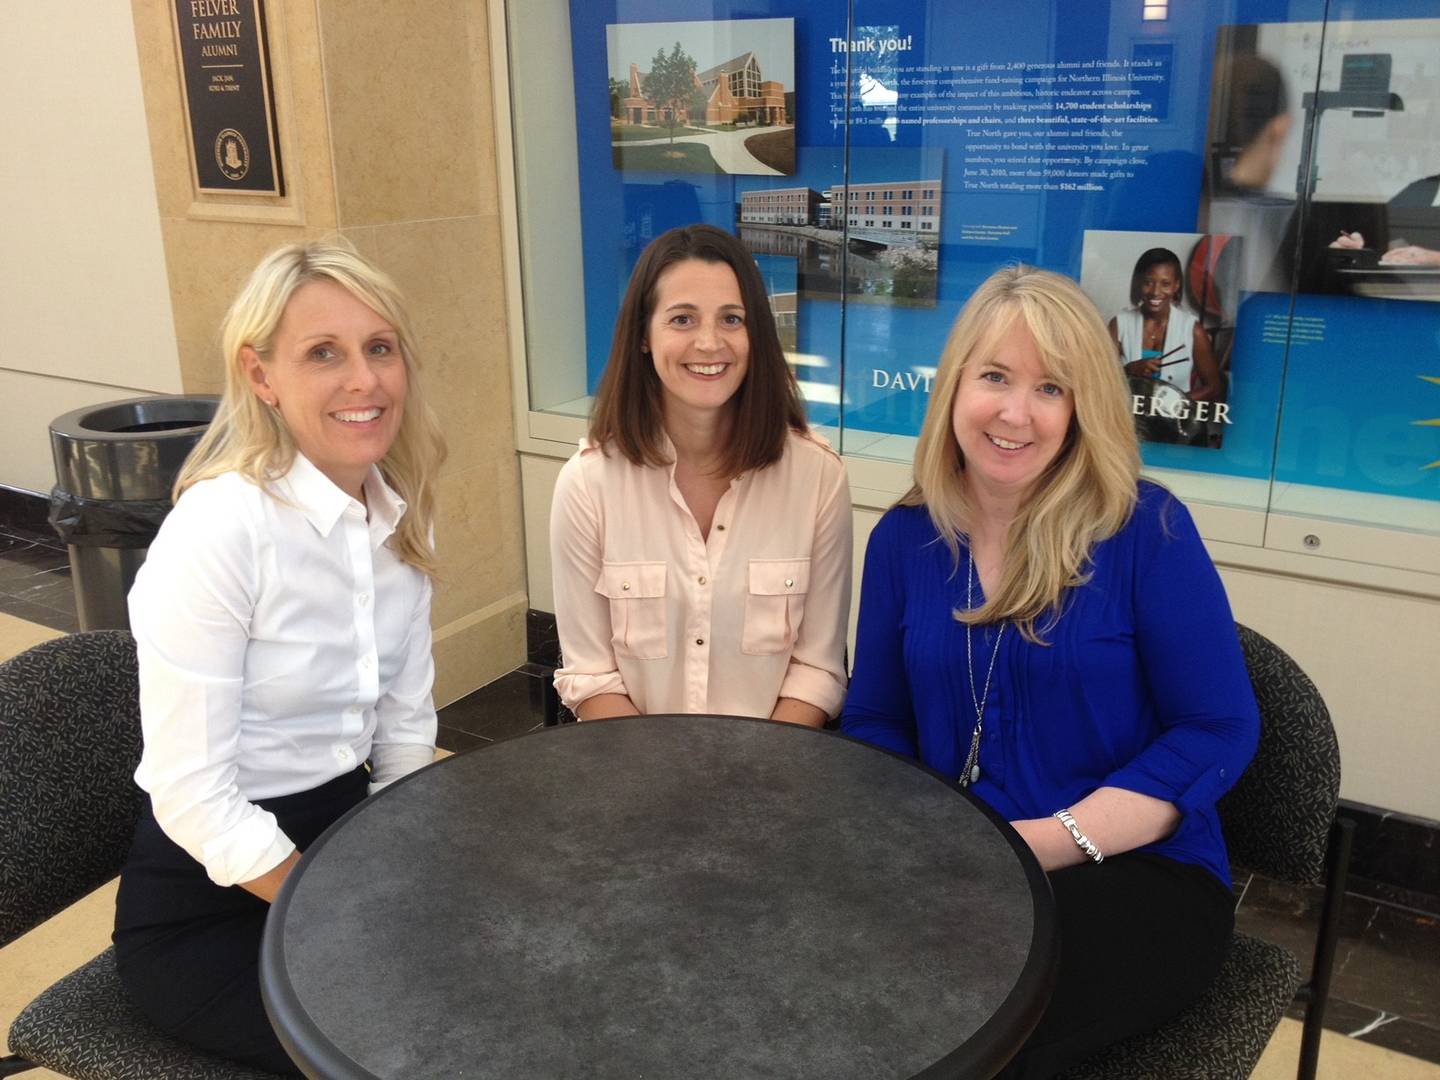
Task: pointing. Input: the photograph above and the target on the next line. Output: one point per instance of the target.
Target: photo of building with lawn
(711, 96)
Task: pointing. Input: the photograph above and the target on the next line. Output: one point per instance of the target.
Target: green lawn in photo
(639, 132)
(662, 157)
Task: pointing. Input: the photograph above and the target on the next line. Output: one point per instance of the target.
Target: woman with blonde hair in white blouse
(283, 624)
(700, 538)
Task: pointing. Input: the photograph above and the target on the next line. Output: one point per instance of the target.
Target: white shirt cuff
(392, 761)
(814, 686)
(251, 848)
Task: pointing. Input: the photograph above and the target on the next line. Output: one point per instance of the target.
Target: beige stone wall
(388, 137)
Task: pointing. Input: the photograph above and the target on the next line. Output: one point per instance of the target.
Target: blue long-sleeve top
(1142, 684)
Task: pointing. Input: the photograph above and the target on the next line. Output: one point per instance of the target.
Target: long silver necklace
(971, 772)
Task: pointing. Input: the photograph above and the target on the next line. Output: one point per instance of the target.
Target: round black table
(663, 896)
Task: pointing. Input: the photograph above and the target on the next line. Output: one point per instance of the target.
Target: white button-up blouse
(727, 623)
(281, 643)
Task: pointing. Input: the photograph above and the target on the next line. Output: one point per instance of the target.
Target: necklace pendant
(974, 773)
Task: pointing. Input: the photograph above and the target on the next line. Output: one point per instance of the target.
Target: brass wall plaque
(225, 62)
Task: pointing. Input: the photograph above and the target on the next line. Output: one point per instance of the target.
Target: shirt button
(699, 641)
(789, 583)
(625, 585)
(364, 598)
(367, 662)
(701, 579)
(344, 755)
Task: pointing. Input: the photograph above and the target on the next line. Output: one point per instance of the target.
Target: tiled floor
(511, 705)
(1385, 1004)
(35, 579)
(1386, 988)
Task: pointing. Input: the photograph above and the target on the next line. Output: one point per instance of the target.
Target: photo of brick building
(734, 92)
(674, 108)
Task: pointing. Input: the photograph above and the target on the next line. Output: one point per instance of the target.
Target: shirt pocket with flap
(774, 605)
(636, 591)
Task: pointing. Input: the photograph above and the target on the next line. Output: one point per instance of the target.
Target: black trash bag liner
(106, 522)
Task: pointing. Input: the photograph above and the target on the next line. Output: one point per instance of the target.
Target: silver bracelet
(1086, 844)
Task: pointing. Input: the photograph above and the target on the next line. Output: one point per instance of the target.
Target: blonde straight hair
(251, 439)
(1085, 495)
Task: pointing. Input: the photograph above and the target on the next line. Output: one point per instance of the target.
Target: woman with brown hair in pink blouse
(700, 537)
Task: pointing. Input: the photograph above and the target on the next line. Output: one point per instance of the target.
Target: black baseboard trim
(24, 509)
(542, 639)
(1397, 854)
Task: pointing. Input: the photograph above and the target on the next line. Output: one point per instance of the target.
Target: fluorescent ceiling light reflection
(820, 393)
(801, 359)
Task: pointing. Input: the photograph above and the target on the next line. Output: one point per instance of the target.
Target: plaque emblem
(232, 154)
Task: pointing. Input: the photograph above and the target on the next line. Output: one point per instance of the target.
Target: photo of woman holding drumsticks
(1157, 338)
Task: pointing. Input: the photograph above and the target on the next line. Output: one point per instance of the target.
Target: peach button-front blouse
(727, 623)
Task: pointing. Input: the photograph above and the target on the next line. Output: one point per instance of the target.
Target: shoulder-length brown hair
(628, 414)
(1086, 494)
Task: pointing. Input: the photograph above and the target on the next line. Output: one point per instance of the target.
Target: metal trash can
(114, 467)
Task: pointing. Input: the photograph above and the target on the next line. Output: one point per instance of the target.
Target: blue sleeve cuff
(1187, 794)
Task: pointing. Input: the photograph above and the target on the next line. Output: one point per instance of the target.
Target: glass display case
(1249, 191)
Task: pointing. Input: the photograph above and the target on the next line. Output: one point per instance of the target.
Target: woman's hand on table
(606, 706)
(794, 711)
(267, 885)
(1116, 820)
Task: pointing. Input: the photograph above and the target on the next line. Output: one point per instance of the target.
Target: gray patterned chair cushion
(85, 1027)
(1222, 1035)
(69, 744)
(1277, 817)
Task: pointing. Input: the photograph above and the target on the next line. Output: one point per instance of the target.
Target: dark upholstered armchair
(69, 744)
(1279, 820)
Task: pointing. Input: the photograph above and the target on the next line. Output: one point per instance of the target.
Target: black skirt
(188, 950)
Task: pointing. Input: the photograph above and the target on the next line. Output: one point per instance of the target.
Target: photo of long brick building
(893, 207)
(780, 206)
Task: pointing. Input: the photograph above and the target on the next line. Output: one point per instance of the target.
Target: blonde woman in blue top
(1045, 627)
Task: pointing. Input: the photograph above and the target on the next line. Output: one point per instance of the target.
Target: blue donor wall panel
(947, 140)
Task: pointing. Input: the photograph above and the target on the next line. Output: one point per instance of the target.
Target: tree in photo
(699, 99)
(671, 85)
(619, 91)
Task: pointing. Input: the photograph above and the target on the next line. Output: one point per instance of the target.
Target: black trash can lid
(128, 450)
(141, 417)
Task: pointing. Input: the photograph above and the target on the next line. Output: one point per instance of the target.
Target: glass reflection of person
(1257, 121)
(1157, 338)
(282, 619)
(1039, 623)
(700, 538)
(1250, 123)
